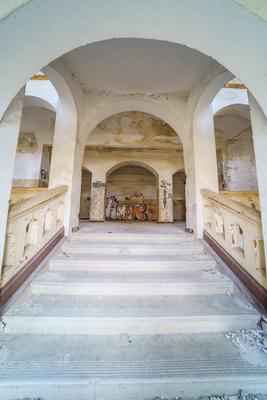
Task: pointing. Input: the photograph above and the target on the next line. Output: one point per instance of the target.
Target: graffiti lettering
(98, 184)
(125, 210)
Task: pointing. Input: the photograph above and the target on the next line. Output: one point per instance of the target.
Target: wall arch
(35, 101)
(134, 105)
(226, 22)
(241, 108)
(132, 162)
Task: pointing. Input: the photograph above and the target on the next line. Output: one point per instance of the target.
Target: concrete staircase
(124, 314)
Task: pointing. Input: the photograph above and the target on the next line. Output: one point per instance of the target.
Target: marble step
(125, 367)
(137, 263)
(132, 238)
(91, 315)
(124, 283)
(83, 247)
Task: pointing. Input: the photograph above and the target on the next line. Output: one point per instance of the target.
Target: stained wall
(235, 153)
(37, 129)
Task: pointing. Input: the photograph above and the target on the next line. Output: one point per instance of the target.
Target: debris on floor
(240, 396)
(252, 344)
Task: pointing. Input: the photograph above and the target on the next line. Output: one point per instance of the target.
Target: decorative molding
(39, 78)
(17, 280)
(253, 286)
(235, 86)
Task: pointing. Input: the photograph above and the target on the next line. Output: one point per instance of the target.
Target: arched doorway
(179, 207)
(131, 194)
(84, 213)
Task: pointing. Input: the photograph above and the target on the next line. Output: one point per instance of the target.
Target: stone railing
(237, 229)
(250, 198)
(32, 224)
(21, 193)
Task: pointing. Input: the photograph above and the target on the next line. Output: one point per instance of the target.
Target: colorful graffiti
(131, 208)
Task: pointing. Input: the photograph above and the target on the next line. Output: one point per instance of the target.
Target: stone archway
(185, 20)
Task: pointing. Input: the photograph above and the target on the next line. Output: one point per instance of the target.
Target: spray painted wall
(235, 153)
(131, 193)
(37, 129)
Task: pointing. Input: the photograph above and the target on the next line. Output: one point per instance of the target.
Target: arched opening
(133, 140)
(84, 213)
(36, 134)
(179, 205)
(131, 194)
(235, 151)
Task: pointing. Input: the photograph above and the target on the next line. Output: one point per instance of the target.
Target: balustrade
(237, 229)
(32, 224)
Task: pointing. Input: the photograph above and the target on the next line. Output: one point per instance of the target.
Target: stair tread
(102, 244)
(130, 307)
(133, 257)
(125, 357)
(120, 277)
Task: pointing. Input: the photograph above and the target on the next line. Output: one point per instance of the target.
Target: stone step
(130, 289)
(125, 367)
(137, 263)
(135, 315)
(124, 283)
(132, 238)
(83, 247)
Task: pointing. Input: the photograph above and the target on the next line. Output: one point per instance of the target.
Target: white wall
(37, 125)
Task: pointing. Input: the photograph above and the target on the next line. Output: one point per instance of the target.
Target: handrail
(18, 209)
(237, 228)
(234, 206)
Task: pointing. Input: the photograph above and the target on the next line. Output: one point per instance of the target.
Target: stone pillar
(98, 198)
(63, 156)
(205, 160)
(9, 132)
(259, 131)
(165, 198)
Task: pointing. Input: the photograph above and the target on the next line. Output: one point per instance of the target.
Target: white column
(9, 132)
(63, 156)
(98, 198)
(205, 159)
(259, 131)
(190, 194)
(165, 198)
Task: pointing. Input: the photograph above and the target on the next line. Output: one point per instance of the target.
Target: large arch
(64, 143)
(164, 114)
(226, 22)
(205, 161)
